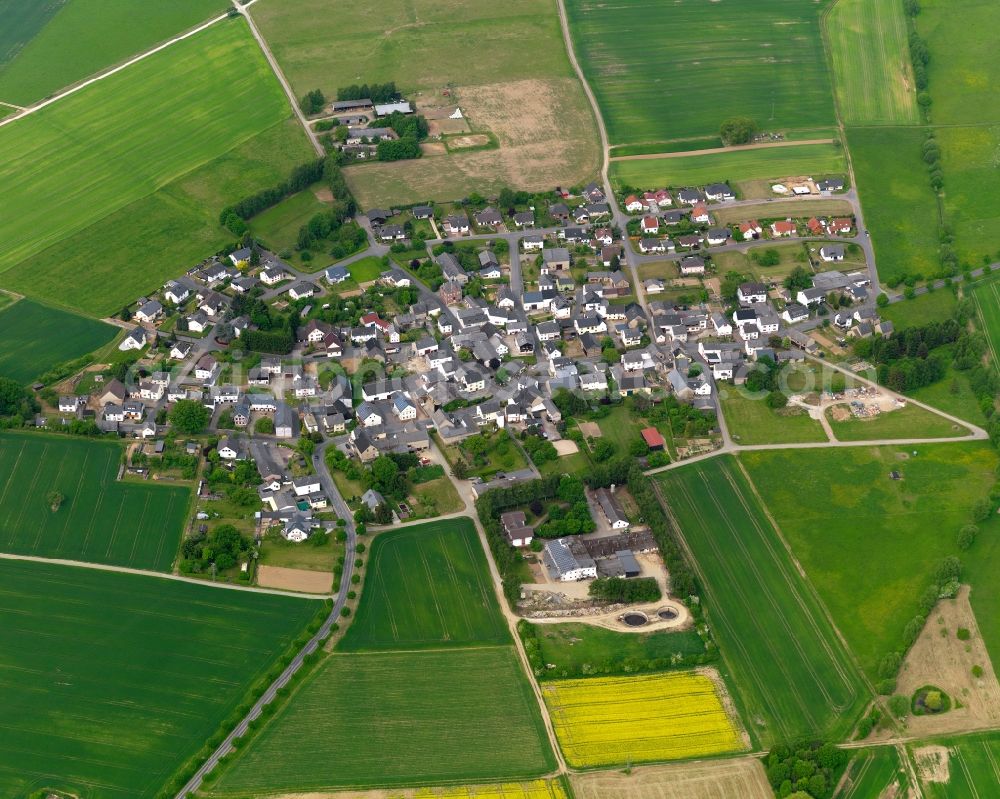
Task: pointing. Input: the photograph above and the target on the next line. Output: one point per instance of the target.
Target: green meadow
(113, 681)
(87, 36)
(178, 121)
(790, 670)
(675, 71)
(98, 519)
(871, 62)
(869, 543)
(741, 165)
(23, 19)
(36, 337)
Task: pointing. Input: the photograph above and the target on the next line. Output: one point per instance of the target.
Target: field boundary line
(73, 89)
(806, 580)
(721, 150)
(107, 567)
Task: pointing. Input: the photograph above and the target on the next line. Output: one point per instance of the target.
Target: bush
(967, 536)
(899, 705)
(963, 634)
(619, 590)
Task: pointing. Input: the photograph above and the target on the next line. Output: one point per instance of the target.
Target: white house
(149, 312)
(750, 293)
(135, 340)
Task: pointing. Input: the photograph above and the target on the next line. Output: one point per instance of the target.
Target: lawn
(751, 421)
(112, 681)
(99, 519)
(398, 718)
(899, 206)
(607, 721)
(909, 422)
(732, 167)
(934, 306)
(973, 767)
(868, 543)
(952, 394)
(428, 585)
(277, 551)
(621, 428)
(366, 269)
(576, 648)
(36, 338)
(871, 63)
(86, 36)
(278, 227)
(794, 676)
(196, 112)
(501, 454)
(436, 497)
(664, 72)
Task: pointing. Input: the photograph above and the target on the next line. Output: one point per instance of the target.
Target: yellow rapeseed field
(614, 720)
(536, 789)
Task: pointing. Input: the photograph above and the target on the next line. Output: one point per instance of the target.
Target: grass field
(646, 61)
(23, 19)
(871, 772)
(441, 714)
(909, 422)
(112, 681)
(148, 216)
(900, 207)
(871, 63)
(86, 36)
(952, 394)
(935, 306)
(99, 520)
(868, 543)
(973, 768)
(733, 167)
(366, 269)
(972, 185)
(571, 647)
(750, 421)
(986, 296)
(36, 338)
(278, 227)
(428, 586)
(791, 671)
(609, 721)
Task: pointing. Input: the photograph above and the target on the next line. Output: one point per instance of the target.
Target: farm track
(717, 150)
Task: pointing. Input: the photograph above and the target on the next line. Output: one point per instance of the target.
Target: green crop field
(751, 421)
(871, 62)
(428, 586)
(23, 19)
(664, 72)
(909, 422)
(791, 671)
(86, 36)
(738, 166)
(99, 519)
(192, 111)
(112, 681)
(422, 45)
(900, 207)
(986, 296)
(398, 718)
(36, 338)
(871, 772)
(973, 768)
(868, 543)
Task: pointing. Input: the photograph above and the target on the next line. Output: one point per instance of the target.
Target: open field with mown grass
(909, 422)
(733, 167)
(934, 306)
(99, 519)
(87, 36)
(751, 421)
(278, 227)
(794, 676)
(952, 394)
(871, 63)
(868, 543)
(899, 206)
(646, 61)
(973, 767)
(972, 190)
(607, 721)
(36, 338)
(398, 718)
(428, 586)
(112, 681)
(100, 223)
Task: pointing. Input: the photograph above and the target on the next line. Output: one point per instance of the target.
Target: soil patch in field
(433, 148)
(932, 764)
(565, 447)
(310, 582)
(721, 779)
(472, 140)
(438, 127)
(939, 658)
(590, 429)
(323, 195)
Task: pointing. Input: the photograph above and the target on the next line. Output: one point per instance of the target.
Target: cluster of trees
(618, 590)
(312, 102)
(189, 417)
(563, 521)
(906, 361)
(331, 225)
(539, 449)
(17, 404)
(223, 547)
(920, 55)
(376, 92)
(737, 130)
(411, 129)
(805, 771)
(428, 272)
(799, 279)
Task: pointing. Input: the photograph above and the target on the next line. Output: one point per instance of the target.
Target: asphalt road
(314, 643)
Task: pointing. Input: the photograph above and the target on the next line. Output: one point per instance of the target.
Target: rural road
(314, 643)
(713, 150)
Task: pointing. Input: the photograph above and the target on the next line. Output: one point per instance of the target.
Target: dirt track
(713, 150)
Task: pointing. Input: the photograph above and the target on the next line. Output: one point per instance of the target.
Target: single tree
(189, 417)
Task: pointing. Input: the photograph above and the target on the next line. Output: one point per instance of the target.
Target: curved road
(321, 635)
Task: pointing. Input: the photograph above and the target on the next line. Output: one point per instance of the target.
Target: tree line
(376, 92)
